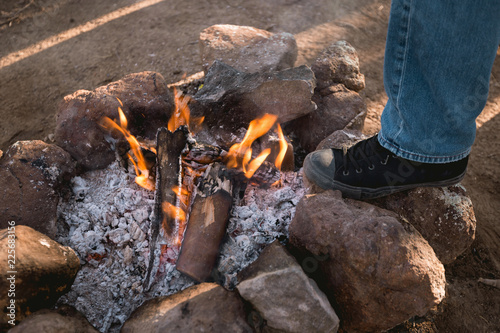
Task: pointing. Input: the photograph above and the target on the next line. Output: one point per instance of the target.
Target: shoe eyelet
(345, 173)
(385, 162)
(371, 167)
(359, 170)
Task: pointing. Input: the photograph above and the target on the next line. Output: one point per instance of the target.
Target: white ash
(109, 217)
(107, 222)
(263, 216)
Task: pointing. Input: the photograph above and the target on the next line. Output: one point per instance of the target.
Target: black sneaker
(368, 170)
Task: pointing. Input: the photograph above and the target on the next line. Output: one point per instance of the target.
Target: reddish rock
(337, 107)
(247, 49)
(339, 63)
(65, 319)
(31, 172)
(147, 105)
(44, 270)
(206, 307)
(379, 270)
(285, 297)
(443, 215)
(341, 138)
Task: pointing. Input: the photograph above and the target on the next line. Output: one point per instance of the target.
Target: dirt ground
(48, 50)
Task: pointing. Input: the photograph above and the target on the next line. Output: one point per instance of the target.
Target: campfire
(185, 210)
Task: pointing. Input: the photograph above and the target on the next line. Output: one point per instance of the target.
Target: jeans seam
(406, 31)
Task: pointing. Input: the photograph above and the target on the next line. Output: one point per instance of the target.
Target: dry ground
(48, 50)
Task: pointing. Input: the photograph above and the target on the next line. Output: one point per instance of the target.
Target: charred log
(207, 224)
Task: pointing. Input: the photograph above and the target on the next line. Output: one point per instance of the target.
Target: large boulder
(230, 99)
(285, 297)
(147, 104)
(41, 272)
(247, 49)
(206, 307)
(31, 173)
(443, 215)
(379, 270)
(65, 319)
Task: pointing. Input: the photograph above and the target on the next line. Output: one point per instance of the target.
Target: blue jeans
(438, 60)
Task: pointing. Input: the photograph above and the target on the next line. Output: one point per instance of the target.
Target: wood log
(207, 224)
(169, 147)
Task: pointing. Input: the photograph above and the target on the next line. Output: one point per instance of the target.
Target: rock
(443, 215)
(286, 298)
(378, 270)
(230, 99)
(247, 49)
(147, 102)
(337, 108)
(44, 271)
(31, 173)
(65, 319)
(339, 63)
(341, 138)
(206, 307)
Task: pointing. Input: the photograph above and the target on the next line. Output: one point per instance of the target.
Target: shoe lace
(362, 151)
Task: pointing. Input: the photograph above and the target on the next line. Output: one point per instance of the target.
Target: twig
(16, 14)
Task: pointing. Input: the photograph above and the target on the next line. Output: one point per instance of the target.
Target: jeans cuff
(418, 157)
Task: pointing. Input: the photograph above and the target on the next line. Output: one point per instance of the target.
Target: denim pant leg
(438, 60)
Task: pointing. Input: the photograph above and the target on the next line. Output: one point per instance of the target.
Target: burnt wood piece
(169, 147)
(265, 176)
(207, 224)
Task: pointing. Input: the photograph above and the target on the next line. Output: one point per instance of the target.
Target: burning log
(169, 146)
(207, 224)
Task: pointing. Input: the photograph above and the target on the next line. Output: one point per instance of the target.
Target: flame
(139, 162)
(182, 114)
(240, 154)
(283, 148)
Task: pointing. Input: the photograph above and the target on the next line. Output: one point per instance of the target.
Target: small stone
(206, 307)
(247, 49)
(379, 270)
(65, 319)
(285, 297)
(337, 108)
(339, 63)
(44, 271)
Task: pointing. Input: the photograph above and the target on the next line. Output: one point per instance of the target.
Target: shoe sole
(359, 193)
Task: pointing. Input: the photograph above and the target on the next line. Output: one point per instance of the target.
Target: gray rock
(443, 215)
(337, 108)
(148, 105)
(380, 271)
(230, 99)
(65, 319)
(44, 270)
(339, 63)
(206, 307)
(286, 298)
(31, 172)
(247, 49)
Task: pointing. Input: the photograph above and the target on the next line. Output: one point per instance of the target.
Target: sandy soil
(38, 69)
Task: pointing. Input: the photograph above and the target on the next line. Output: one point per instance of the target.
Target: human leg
(437, 86)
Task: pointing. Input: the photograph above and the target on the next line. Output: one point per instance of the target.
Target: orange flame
(240, 154)
(140, 167)
(283, 148)
(182, 114)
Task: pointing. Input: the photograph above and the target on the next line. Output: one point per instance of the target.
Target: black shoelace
(360, 152)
